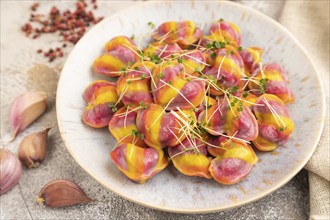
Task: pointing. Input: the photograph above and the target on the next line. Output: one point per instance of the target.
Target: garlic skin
(60, 193)
(32, 150)
(25, 109)
(10, 170)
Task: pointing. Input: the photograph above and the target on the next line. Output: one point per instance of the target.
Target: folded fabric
(309, 22)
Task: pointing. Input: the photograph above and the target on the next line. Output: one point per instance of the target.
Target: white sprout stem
(133, 110)
(223, 59)
(187, 128)
(185, 125)
(158, 117)
(179, 109)
(274, 113)
(184, 122)
(214, 85)
(119, 142)
(193, 144)
(125, 119)
(135, 139)
(165, 36)
(228, 101)
(178, 139)
(197, 60)
(202, 139)
(184, 68)
(177, 92)
(169, 33)
(126, 70)
(152, 78)
(162, 51)
(220, 106)
(262, 70)
(208, 119)
(158, 49)
(210, 82)
(133, 50)
(121, 95)
(177, 154)
(136, 79)
(247, 82)
(158, 88)
(182, 130)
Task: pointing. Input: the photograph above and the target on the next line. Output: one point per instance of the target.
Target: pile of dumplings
(201, 102)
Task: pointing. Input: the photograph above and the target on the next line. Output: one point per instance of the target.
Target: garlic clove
(25, 109)
(32, 150)
(59, 193)
(10, 170)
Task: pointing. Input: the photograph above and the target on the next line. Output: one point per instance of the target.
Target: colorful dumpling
(121, 52)
(226, 31)
(240, 121)
(213, 119)
(274, 122)
(228, 70)
(249, 98)
(161, 129)
(216, 145)
(207, 103)
(134, 85)
(189, 157)
(120, 41)
(234, 163)
(184, 33)
(203, 97)
(123, 127)
(232, 118)
(101, 97)
(96, 88)
(173, 89)
(193, 61)
(252, 57)
(137, 163)
(272, 80)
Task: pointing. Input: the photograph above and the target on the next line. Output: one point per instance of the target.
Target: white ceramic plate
(169, 190)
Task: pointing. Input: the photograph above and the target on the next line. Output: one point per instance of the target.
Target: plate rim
(262, 194)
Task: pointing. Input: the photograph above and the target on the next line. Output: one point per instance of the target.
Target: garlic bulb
(59, 193)
(32, 150)
(25, 109)
(10, 170)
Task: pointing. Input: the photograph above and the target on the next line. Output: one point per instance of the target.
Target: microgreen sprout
(263, 85)
(137, 134)
(245, 94)
(144, 105)
(151, 24)
(155, 59)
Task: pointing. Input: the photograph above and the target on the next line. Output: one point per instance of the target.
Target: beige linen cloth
(309, 22)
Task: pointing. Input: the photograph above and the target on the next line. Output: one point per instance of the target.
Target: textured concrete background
(24, 70)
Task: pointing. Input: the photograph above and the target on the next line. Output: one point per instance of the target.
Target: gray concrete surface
(17, 58)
